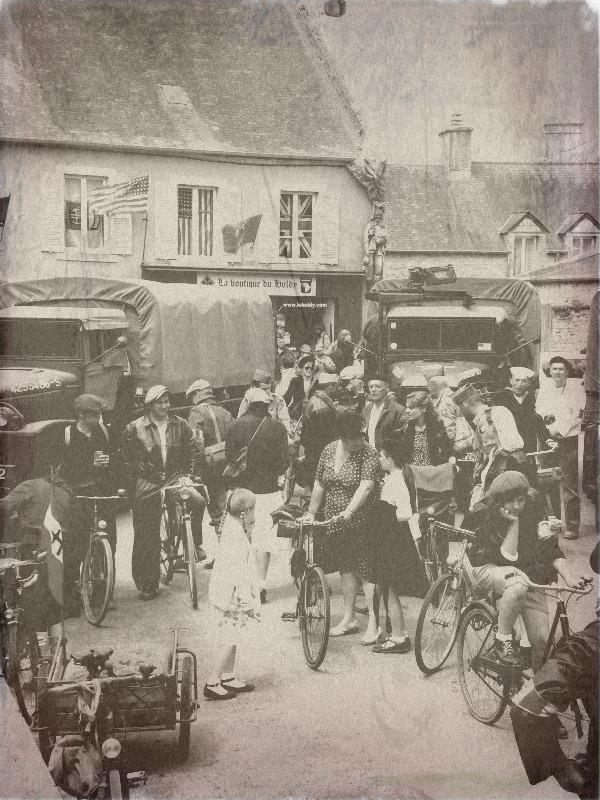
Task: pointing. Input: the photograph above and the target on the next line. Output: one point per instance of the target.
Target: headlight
(9, 613)
(184, 494)
(111, 748)
(101, 525)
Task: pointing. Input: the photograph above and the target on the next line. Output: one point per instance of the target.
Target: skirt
(264, 535)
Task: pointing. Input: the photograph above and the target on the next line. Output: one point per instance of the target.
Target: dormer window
(580, 232)
(526, 238)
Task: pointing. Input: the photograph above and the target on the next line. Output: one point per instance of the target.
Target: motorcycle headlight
(111, 748)
(184, 494)
(101, 525)
(9, 614)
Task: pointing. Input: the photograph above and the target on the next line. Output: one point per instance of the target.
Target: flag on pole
(121, 198)
(53, 544)
(234, 236)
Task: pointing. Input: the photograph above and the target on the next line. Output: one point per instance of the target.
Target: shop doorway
(299, 320)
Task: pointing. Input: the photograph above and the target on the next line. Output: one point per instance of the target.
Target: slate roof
(427, 212)
(509, 67)
(89, 72)
(584, 268)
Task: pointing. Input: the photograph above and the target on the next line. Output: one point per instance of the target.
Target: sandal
(390, 646)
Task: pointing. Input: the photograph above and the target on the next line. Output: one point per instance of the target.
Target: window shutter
(328, 226)
(228, 201)
(268, 233)
(165, 218)
(52, 212)
(121, 235)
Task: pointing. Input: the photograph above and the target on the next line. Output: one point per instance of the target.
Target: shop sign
(286, 285)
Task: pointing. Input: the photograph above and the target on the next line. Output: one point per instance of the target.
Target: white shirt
(565, 404)
(162, 435)
(395, 492)
(376, 412)
(286, 376)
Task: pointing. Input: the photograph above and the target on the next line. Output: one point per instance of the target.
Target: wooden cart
(154, 699)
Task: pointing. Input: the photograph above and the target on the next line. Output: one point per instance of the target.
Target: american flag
(184, 215)
(121, 198)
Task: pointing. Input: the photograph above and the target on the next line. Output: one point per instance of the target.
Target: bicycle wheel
(22, 666)
(438, 623)
(314, 616)
(97, 579)
(190, 560)
(485, 692)
(429, 559)
(167, 548)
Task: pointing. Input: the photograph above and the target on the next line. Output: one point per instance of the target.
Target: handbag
(236, 469)
(215, 453)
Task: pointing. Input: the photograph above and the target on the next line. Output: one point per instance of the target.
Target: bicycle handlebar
(555, 588)
(102, 497)
(460, 533)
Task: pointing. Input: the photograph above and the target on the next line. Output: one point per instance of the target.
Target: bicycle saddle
(93, 660)
(287, 511)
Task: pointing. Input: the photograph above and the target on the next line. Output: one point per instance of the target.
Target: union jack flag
(121, 198)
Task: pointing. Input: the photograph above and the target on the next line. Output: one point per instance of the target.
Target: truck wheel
(186, 708)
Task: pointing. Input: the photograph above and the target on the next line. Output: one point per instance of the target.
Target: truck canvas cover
(518, 297)
(177, 332)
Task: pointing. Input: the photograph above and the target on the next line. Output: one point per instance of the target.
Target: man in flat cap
(561, 406)
(210, 424)
(88, 467)
(520, 401)
(156, 447)
(277, 407)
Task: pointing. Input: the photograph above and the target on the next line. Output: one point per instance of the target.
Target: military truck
(457, 327)
(60, 337)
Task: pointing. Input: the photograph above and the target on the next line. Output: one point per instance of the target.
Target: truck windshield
(38, 338)
(439, 335)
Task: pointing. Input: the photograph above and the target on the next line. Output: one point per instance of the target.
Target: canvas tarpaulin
(178, 332)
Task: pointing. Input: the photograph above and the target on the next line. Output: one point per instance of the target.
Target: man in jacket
(520, 401)
(267, 459)
(318, 425)
(383, 416)
(277, 405)
(342, 352)
(156, 447)
(210, 425)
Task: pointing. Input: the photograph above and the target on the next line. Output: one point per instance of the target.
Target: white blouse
(395, 492)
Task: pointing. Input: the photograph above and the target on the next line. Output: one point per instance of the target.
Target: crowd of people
(369, 456)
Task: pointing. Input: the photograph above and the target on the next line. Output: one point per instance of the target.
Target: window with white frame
(195, 232)
(580, 245)
(525, 254)
(296, 225)
(84, 229)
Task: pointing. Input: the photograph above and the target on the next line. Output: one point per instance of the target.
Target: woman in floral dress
(346, 485)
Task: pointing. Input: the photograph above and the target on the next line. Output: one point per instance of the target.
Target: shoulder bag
(237, 468)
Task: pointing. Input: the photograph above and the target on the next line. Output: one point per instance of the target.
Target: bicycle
(437, 625)
(97, 582)
(486, 684)
(177, 548)
(20, 656)
(312, 607)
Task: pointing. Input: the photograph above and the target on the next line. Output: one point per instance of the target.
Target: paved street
(363, 726)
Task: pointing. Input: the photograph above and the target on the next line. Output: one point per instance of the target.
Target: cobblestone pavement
(364, 725)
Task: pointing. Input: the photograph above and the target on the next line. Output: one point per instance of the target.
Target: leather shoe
(149, 594)
(210, 693)
(247, 687)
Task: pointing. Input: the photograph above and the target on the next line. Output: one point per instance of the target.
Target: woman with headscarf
(503, 450)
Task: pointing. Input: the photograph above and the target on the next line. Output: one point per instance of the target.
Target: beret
(154, 392)
(256, 395)
(198, 386)
(89, 402)
(507, 483)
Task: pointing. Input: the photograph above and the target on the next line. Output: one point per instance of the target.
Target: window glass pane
(40, 338)
(530, 248)
(414, 334)
(95, 226)
(517, 255)
(588, 244)
(72, 211)
(467, 334)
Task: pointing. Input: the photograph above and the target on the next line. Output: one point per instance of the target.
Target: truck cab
(87, 343)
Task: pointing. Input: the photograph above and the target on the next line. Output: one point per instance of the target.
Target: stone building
(226, 107)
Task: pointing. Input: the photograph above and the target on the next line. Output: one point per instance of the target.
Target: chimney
(561, 140)
(456, 143)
